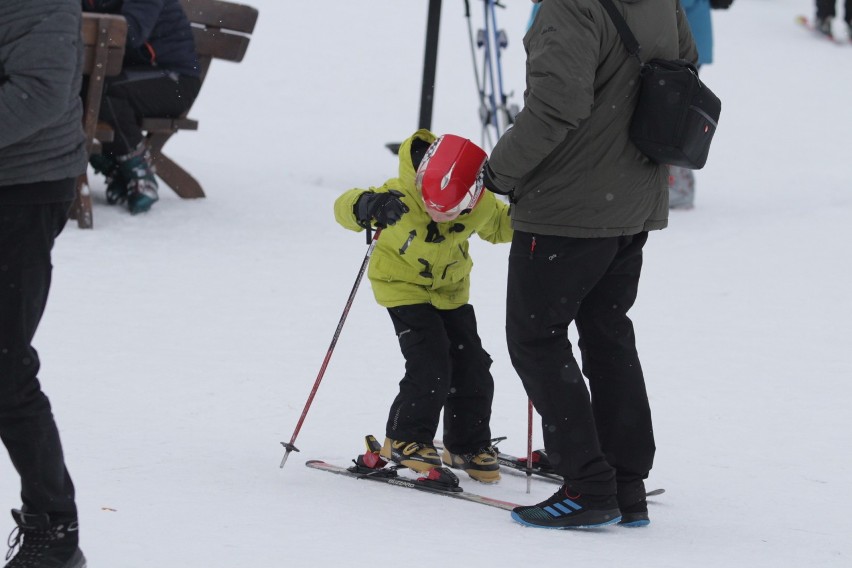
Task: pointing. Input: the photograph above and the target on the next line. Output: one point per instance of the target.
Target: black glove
(490, 184)
(386, 208)
(721, 4)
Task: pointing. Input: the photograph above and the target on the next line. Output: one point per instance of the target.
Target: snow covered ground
(179, 347)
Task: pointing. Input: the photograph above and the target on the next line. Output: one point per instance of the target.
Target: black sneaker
(567, 509)
(481, 465)
(635, 515)
(42, 542)
(632, 503)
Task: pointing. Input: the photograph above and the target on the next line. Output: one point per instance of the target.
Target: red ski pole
(289, 445)
(529, 442)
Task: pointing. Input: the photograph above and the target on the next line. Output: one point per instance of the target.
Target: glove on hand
(386, 208)
(721, 4)
(490, 184)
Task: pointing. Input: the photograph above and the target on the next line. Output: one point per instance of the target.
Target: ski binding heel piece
(441, 478)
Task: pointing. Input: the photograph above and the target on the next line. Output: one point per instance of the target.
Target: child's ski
(390, 477)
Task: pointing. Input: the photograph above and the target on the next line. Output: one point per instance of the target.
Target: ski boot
(417, 456)
(137, 168)
(481, 465)
(116, 190)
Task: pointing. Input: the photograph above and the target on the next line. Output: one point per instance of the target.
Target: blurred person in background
(682, 180)
(160, 77)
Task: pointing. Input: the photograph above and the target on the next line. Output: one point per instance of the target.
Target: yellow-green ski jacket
(418, 261)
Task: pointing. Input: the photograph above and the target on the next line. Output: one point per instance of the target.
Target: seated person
(161, 77)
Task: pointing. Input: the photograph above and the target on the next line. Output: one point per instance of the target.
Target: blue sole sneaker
(635, 515)
(569, 510)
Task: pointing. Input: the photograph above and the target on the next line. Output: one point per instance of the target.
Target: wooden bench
(103, 37)
(222, 31)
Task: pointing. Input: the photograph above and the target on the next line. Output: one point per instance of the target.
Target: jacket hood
(407, 170)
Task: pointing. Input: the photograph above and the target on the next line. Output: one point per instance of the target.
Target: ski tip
(655, 492)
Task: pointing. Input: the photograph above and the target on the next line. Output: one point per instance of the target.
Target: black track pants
(445, 367)
(27, 233)
(552, 282)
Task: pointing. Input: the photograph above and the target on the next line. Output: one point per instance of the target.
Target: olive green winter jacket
(417, 261)
(568, 159)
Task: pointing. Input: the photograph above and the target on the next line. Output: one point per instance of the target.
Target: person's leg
(825, 9)
(611, 365)
(548, 280)
(416, 410)
(27, 428)
(467, 411)
(129, 98)
(136, 94)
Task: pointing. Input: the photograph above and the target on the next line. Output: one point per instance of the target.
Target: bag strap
(627, 38)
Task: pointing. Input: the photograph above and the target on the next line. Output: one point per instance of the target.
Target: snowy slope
(179, 347)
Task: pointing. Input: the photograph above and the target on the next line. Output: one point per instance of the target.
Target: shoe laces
(13, 541)
(28, 546)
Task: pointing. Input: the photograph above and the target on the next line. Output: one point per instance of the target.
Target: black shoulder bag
(677, 114)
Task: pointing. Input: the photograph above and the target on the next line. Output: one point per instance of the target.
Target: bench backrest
(221, 29)
(103, 38)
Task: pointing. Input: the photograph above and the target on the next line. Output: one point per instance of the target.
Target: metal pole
(289, 445)
(430, 63)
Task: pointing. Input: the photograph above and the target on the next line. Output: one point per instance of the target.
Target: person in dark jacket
(160, 78)
(584, 198)
(42, 151)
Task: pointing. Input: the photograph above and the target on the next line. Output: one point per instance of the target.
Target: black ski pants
(27, 428)
(603, 444)
(826, 9)
(445, 367)
(139, 93)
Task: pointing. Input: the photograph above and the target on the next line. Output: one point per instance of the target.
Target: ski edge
(411, 484)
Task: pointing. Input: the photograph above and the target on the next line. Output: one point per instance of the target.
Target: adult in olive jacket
(584, 198)
(42, 151)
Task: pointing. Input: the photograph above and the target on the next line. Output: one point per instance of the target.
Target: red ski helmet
(450, 177)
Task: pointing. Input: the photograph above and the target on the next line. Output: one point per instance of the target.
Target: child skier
(420, 271)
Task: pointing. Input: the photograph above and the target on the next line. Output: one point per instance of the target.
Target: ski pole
(289, 445)
(529, 442)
